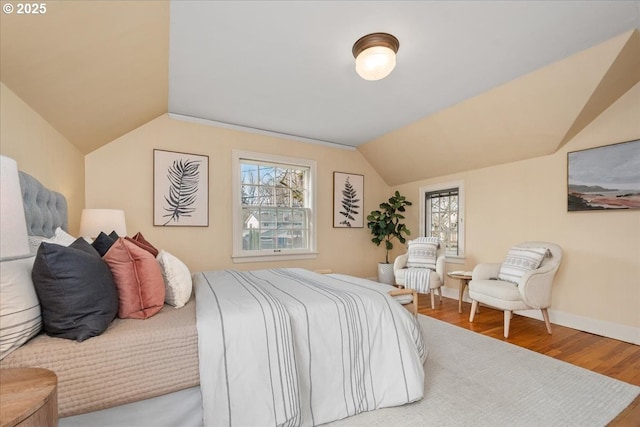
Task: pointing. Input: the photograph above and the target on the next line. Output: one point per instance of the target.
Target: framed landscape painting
(348, 200)
(604, 178)
(180, 189)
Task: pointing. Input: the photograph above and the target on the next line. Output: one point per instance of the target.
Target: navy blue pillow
(103, 243)
(78, 297)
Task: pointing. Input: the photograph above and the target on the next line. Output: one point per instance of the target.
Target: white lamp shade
(93, 221)
(14, 242)
(375, 63)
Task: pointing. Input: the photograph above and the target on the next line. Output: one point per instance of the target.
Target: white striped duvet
(288, 347)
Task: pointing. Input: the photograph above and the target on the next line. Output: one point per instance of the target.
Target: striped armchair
(426, 278)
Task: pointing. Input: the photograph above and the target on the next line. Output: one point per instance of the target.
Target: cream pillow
(34, 243)
(177, 279)
(19, 305)
(422, 252)
(520, 260)
(60, 237)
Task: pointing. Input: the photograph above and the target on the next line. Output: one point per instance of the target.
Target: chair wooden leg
(433, 301)
(440, 295)
(507, 321)
(545, 315)
(474, 307)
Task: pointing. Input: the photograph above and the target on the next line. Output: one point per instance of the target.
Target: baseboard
(599, 327)
(586, 324)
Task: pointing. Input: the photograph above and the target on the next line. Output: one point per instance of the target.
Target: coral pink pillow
(138, 278)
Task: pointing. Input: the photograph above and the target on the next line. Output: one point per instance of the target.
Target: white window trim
(460, 258)
(239, 255)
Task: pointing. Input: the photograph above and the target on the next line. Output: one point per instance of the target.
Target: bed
(266, 347)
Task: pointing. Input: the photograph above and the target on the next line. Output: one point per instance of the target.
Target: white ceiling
(287, 67)
(96, 70)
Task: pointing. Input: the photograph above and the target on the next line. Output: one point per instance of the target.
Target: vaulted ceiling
(94, 70)
(477, 83)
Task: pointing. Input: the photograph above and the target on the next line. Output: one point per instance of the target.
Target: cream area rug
(473, 380)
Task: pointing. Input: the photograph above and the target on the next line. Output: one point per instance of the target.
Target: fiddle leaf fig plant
(385, 224)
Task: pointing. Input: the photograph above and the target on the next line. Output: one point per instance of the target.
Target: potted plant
(385, 225)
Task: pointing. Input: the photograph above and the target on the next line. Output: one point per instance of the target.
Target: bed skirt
(182, 408)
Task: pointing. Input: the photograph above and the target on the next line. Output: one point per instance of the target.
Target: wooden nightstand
(28, 397)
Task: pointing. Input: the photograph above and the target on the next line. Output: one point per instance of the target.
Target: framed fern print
(180, 189)
(348, 200)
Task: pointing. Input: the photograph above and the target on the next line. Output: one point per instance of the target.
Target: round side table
(28, 397)
(464, 282)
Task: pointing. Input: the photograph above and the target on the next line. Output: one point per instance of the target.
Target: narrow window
(442, 210)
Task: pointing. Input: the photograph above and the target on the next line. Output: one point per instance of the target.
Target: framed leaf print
(180, 189)
(348, 200)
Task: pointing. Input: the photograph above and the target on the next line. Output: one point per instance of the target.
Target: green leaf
(385, 224)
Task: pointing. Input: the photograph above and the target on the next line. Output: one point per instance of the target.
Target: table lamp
(93, 221)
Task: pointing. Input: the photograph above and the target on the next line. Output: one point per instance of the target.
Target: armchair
(436, 276)
(530, 291)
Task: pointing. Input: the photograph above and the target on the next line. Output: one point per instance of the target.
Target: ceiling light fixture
(375, 55)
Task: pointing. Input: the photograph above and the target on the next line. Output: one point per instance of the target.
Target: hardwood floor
(616, 359)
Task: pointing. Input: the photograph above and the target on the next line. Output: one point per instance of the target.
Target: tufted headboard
(45, 210)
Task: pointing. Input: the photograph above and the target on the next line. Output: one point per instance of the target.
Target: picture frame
(180, 189)
(604, 178)
(348, 200)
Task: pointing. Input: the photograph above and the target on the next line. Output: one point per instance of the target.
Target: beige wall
(526, 200)
(120, 175)
(598, 284)
(42, 151)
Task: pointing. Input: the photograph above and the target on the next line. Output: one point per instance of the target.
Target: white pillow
(61, 237)
(422, 252)
(19, 305)
(177, 279)
(520, 260)
(34, 243)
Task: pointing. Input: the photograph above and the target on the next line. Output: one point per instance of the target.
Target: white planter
(385, 273)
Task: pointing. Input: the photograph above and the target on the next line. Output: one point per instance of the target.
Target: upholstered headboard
(45, 210)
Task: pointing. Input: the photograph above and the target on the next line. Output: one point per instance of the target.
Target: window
(274, 212)
(442, 215)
